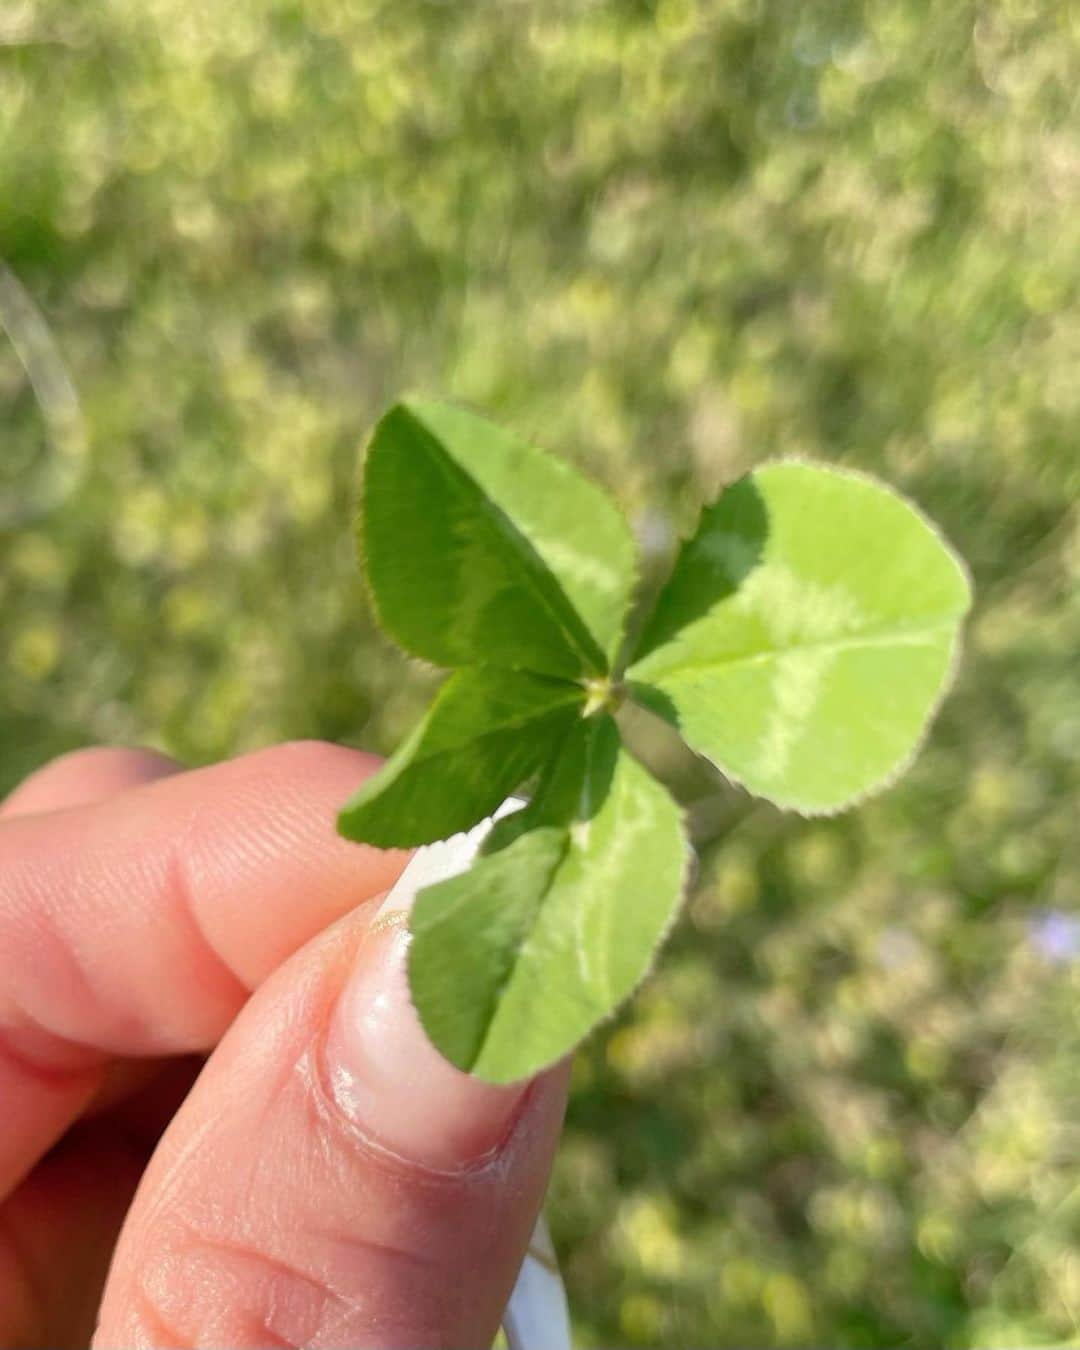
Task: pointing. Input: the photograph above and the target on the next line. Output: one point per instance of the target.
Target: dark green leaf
(485, 732)
(479, 548)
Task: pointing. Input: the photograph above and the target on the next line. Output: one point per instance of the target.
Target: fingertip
(391, 1083)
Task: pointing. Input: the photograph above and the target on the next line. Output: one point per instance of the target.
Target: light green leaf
(514, 961)
(479, 548)
(806, 636)
(485, 732)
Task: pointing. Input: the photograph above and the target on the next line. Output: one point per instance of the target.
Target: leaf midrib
(501, 729)
(582, 644)
(570, 845)
(518, 955)
(908, 637)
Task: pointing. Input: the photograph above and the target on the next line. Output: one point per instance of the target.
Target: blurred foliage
(668, 238)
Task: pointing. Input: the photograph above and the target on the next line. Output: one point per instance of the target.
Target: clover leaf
(552, 930)
(479, 549)
(805, 637)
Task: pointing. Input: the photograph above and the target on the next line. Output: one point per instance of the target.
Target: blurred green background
(669, 239)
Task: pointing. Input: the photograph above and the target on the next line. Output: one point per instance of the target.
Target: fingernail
(384, 1073)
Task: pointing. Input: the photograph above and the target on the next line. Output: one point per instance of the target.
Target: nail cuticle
(333, 1091)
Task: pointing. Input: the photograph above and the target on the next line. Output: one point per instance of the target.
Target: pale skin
(220, 1124)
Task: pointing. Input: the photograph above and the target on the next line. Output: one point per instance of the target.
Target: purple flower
(1055, 935)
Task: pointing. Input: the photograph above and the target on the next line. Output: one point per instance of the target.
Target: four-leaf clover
(805, 637)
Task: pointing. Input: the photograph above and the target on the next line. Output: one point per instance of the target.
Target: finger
(331, 1181)
(138, 925)
(57, 1233)
(42, 1113)
(58, 1230)
(86, 776)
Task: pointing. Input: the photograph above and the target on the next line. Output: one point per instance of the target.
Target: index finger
(138, 925)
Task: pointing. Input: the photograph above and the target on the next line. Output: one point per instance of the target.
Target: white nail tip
(446, 858)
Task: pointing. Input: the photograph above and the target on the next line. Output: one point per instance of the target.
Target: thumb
(331, 1181)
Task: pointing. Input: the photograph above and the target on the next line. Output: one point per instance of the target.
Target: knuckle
(211, 1291)
(312, 1288)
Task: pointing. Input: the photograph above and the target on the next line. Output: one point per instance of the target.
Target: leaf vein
(497, 521)
(909, 637)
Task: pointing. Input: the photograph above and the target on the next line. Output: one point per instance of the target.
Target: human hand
(325, 1179)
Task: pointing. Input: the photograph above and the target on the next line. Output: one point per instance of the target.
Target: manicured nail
(384, 1073)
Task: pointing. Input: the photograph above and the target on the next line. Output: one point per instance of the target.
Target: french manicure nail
(384, 1073)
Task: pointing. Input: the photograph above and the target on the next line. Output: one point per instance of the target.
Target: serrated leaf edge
(948, 679)
(837, 471)
(686, 875)
(874, 789)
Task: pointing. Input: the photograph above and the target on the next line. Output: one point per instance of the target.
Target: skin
(179, 1165)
